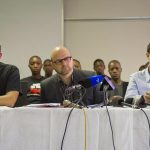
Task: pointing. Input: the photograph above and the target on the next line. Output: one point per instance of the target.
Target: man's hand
(147, 97)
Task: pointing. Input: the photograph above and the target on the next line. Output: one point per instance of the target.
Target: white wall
(29, 27)
(109, 30)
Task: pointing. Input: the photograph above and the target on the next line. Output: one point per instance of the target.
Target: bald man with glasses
(9, 84)
(53, 88)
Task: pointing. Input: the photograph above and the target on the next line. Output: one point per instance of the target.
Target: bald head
(59, 53)
(62, 61)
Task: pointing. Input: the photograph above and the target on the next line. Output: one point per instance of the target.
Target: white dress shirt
(139, 83)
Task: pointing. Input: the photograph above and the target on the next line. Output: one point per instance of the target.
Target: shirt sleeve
(132, 89)
(13, 80)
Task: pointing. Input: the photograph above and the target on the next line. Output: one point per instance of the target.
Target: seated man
(138, 90)
(9, 84)
(47, 67)
(53, 88)
(34, 88)
(99, 67)
(114, 68)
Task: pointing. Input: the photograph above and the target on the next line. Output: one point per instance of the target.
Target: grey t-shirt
(117, 92)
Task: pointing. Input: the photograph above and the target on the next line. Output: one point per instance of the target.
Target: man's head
(114, 68)
(35, 65)
(99, 66)
(47, 67)
(76, 64)
(62, 61)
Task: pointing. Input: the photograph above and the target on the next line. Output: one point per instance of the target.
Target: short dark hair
(114, 61)
(98, 60)
(148, 48)
(35, 56)
(49, 60)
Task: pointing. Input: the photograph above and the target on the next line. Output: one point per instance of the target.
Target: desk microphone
(86, 83)
(91, 81)
(122, 103)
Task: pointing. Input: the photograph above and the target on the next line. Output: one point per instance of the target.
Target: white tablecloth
(30, 128)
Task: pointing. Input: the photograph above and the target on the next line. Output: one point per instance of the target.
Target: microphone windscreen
(91, 81)
(129, 100)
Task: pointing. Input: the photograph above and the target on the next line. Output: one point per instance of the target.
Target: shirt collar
(62, 83)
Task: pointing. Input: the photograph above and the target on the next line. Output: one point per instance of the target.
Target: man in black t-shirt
(33, 82)
(9, 84)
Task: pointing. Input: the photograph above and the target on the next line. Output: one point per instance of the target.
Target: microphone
(136, 101)
(91, 81)
(122, 103)
(119, 101)
(107, 84)
(67, 103)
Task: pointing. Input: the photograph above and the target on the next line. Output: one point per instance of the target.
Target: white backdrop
(29, 27)
(109, 30)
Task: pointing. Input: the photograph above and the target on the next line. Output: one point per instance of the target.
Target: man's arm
(138, 94)
(11, 85)
(9, 99)
(146, 97)
(132, 89)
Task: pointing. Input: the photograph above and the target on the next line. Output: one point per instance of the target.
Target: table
(31, 128)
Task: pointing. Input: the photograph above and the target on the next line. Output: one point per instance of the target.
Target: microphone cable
(105, 101)
(62, 142)
(137, 107)
(112, 133)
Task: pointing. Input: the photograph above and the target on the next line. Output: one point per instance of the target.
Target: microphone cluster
(105, 84)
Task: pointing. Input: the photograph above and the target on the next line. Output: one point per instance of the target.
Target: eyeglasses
(59, 61)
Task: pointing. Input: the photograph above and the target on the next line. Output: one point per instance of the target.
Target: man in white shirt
(139, 85)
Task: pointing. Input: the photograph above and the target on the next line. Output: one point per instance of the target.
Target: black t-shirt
(33, 89)
(9, 78)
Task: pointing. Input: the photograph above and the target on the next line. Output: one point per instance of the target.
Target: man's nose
(36, 65)
(63, 62)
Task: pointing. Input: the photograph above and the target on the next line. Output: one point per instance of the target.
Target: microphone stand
(69, 94)
(106, 100)
(105, 91)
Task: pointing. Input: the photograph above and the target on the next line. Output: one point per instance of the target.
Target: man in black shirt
(33, 82)
(9, 84)
(99, 67)
(53, 88)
